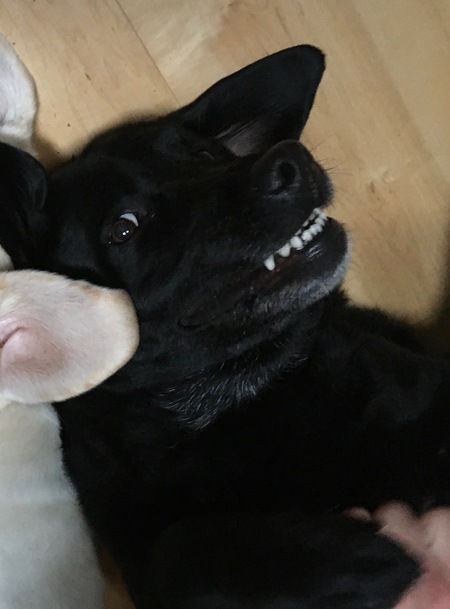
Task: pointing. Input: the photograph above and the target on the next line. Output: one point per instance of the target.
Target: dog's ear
(18, 100)
(60, 337)
(262, 104)
(23, 189)
(22, 174)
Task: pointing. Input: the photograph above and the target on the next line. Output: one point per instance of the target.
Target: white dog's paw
(18, 100)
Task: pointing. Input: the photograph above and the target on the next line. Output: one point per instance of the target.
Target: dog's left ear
(23, 189)
(23, 174)
(262, 104)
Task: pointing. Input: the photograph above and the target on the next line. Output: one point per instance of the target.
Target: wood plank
(89, 65)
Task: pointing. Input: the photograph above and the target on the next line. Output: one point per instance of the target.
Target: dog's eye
(123, 228)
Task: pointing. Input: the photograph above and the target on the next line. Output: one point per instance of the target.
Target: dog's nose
(280, 168)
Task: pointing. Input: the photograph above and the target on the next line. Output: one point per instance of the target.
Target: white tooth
(285, 250)
(307, 236)
(296, 242)
(269, 263)
(316, 218)
(315, 230)
(310, 218)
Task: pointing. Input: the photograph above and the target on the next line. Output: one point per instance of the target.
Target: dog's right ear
(18, 99)
(60, 337)
(262, 104)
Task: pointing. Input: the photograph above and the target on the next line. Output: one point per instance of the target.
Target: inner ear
(262, 104)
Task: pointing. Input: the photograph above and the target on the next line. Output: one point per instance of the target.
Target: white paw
(18, 101)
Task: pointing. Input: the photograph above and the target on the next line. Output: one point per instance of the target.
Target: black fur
(22, 193)
(259, 403)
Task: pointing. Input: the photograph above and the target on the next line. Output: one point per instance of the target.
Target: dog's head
(212, 219)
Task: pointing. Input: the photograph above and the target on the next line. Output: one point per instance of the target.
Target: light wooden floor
(381, 122)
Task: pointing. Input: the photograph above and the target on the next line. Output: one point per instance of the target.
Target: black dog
(260, 400)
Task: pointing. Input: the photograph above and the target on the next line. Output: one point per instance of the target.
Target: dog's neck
(198, 400)
(195, 401)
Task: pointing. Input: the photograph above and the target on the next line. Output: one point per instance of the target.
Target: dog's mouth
(312, 227)
(307, 267)
(309, 260)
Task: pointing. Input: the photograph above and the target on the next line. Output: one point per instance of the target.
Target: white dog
(54, 343)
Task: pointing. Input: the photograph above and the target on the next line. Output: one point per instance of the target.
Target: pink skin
(426, 537)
